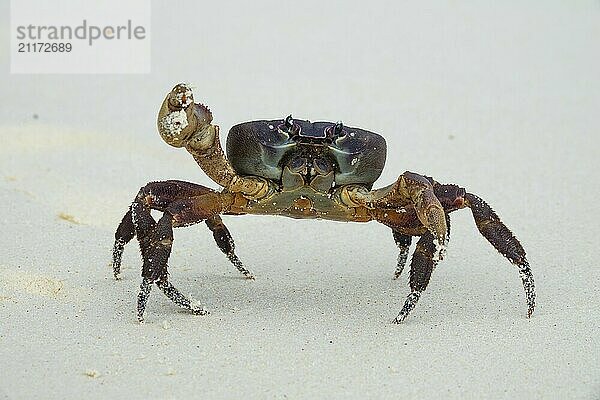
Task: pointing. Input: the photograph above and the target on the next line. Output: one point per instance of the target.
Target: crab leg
(421, 266)
(179, 213)
(403, 242)
(166, 190)
(125, 232)
(225, 242)
(183, 204)
(170, 291)
(142, 298)
(144, 226)
(155, 195)
(178, 298)
(503, 240)
(493, 229)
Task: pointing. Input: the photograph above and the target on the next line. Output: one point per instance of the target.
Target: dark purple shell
(263, 148)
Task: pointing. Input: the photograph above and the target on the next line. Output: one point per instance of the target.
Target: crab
(298, 169)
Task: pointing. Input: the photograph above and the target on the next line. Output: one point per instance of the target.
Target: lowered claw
(418, 190)
(436, 223)
(431, 214)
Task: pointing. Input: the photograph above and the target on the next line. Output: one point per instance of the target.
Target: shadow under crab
(297, 169)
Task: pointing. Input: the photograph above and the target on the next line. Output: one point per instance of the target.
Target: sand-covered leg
(403, 242)
(503, 240)
(182, 212)
(421, 267)
(142, 299)
(179, 298)
(183, 204)
(157, 270)
(162, 242)
(145, 226)
(125, 232)
(155, 244)
(225, 242)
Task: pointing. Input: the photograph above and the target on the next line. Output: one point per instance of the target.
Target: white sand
(503, 100)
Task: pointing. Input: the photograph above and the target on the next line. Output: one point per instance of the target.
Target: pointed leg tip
(196, 308)
(409, 305)
(249, 276)
(245, 272)
(530, 311)
(200, 311)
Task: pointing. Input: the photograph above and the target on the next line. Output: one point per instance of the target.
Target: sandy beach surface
(500, 99)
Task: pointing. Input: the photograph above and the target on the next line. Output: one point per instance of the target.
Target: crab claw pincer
(179, 117)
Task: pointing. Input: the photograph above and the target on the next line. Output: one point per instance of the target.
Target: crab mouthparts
(459, 202)
(460, 198)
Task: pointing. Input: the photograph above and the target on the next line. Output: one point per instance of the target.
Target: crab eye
(338, 128)
(335, 131)
(289, 127)
(289, 122)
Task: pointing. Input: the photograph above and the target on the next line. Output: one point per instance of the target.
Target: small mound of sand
(33, 284)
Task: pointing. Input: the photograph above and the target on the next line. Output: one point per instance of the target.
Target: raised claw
(179, 119)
